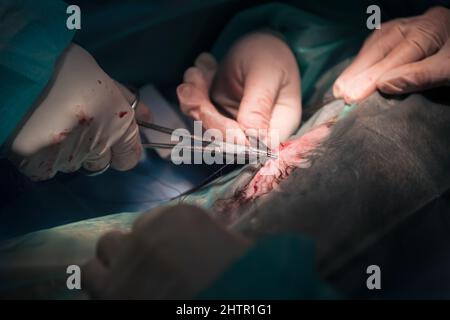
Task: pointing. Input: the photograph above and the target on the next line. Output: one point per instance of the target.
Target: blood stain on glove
(59, 137)
(122, 114)
(83, 118)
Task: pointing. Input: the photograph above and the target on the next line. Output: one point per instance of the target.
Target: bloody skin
(291, 154)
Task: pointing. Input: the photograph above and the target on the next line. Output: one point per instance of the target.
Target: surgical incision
(292, 154)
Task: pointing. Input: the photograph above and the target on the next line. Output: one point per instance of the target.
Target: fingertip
(337, 89)
(360, 88)
(184, 91)
(193, 75)
(206, 60)
(351, 98)
(348, 99)
(190, 100)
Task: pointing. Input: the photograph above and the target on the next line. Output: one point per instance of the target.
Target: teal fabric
(348, 108)
(318, 44)
(278, 267)
(32, 36)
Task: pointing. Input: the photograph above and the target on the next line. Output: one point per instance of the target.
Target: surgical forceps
(260, 152)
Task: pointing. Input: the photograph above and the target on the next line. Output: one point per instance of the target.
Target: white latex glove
(83, 119)
(405, 55)
(257, 84)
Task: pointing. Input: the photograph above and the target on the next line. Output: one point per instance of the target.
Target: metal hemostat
(260, 152)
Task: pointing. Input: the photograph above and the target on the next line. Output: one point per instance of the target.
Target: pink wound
(291, 154)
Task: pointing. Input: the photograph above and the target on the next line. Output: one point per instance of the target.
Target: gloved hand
(165, 256)
(83, 119)
(257, 86)
(405, 55)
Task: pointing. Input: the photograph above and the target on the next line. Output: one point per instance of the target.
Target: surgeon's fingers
(261, 89)
(194, 99)
(127, 151)
(207, 64)
(193, 93)
(375, 48)
(195, 104)
(431, 72)
(286, 115)
(415, 46)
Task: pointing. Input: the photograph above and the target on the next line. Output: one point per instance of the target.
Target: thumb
(261, 89)
(428, 73)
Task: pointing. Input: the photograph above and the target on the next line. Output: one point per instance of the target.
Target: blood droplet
(122, 114)
(59, 137)
(83, 118)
